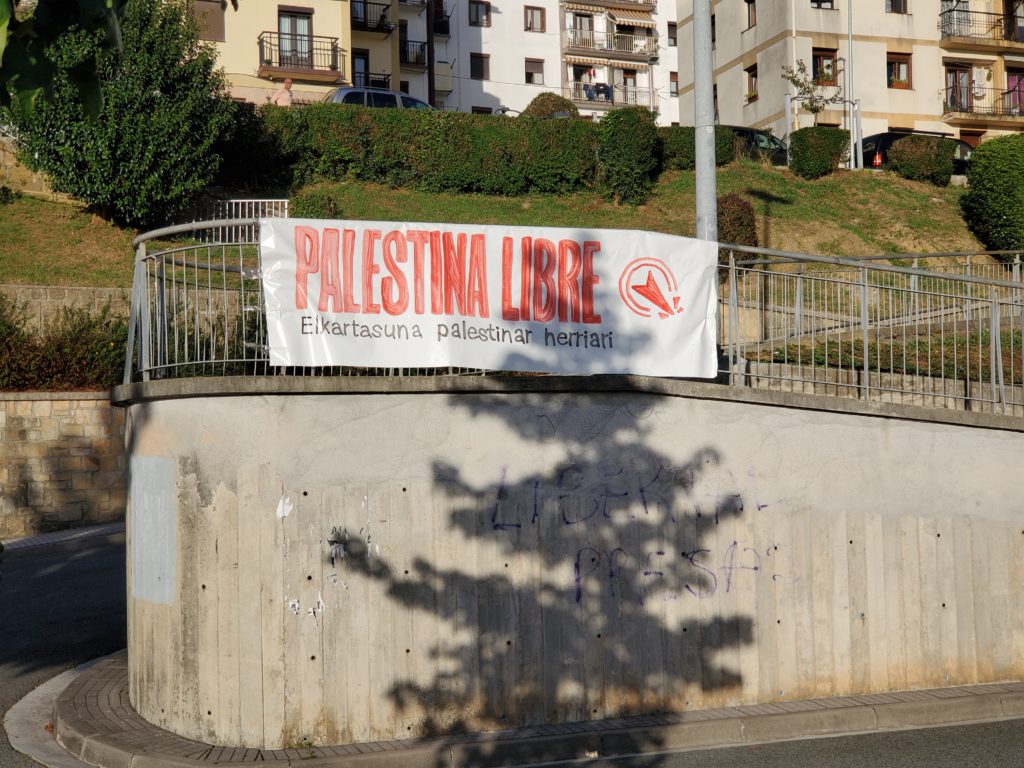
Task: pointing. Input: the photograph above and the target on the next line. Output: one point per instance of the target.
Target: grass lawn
(845, 214)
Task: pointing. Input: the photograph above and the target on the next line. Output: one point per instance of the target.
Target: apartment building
(955, 66)
(481, 56)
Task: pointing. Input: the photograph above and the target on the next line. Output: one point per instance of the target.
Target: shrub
(246, 137)
(317, 201)
(818, 151)
(149, 150)
(993, 207)
(7, 195)
(434, 151)
(81, 350)
(627, 154)
(548, 105)
(923, 158)
(737, 222)
(677, 147)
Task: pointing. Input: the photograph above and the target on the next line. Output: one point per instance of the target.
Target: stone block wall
(44, 303)
(61, 461)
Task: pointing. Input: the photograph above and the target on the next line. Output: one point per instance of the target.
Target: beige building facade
(953, 66)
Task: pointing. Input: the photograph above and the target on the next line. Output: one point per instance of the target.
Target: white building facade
(952, 66)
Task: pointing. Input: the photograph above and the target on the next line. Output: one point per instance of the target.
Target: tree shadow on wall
(589, 580)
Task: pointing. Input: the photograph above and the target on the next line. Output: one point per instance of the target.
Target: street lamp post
(704, 122)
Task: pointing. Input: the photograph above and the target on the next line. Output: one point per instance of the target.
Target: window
(751, 83)
(535, 71)
(360, 67)
(714, 35)
(210, 15)
(895, 6)
(403, 86)
(671, 34)
(481, 110)
(479, 13)
(897, 70)
(673, 83)
(479, 66)
(751, 12)
(295, 38)
(823, 66)
(825, 4)
(533, 19)
(377, 99)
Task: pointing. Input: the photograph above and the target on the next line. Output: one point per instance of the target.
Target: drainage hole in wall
(684, 629)
(209, 712)
(943, 605)
(851, 541)
(407, 573)
(938, 535)
(312, 658)
(598, 635)
(407, 650)
(403, 490)
(305, 493)
(506, 565)
(778, 621)
(204, 586)
(508, 642)
(309, 578)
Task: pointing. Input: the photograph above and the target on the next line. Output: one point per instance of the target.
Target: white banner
(570, 301)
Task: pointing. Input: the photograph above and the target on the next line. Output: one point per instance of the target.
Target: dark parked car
(875, 153)
(759, 145)
(374, 97)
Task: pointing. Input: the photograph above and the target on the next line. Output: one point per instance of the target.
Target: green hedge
(628, 154)
(923, 158)
(817, 151)
(81, 350)
(433, 151)
(993, 207)
(677, 146)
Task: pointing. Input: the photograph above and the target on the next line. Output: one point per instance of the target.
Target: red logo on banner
(647, 286)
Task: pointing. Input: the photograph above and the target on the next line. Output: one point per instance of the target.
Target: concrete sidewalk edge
(99, 745)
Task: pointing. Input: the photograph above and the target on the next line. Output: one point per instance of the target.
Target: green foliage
(250, 156)
(432, 151)
(737, 222)
(813, 94)
(994, 205)
(627, 154)
(923, 158)
(548, 105)
(81, 350)
(27, 68)
(317, 201)
(7, 195)
(150, 148)
(678, 147)
(818, 151)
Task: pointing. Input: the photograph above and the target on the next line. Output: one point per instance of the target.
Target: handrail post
(995, 346)
(133, 314)
(799, 310)
(864, 329)
(145, 317)
(913, 292)
(734, 308)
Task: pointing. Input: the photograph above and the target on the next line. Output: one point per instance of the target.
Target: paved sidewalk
(95, 722)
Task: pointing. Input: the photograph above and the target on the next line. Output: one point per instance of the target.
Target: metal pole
(849, 78)
(860, 135)
(704, 122)
(431, 91)
(864, 329)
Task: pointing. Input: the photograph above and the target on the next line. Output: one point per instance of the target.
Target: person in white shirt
(283, 96)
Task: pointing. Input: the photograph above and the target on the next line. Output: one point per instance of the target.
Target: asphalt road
(59, 607)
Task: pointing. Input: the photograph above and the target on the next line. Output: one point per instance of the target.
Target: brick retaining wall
(61, 461)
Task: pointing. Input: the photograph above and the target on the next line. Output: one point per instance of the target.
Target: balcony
(372, 17)
(640, 5)
(640, 47)
(301, 57)
(372, 80)
(442, 25)
(412, 54)
(603, 95)
(976, 30)
(965, 105)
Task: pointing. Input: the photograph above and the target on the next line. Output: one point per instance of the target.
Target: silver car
(374, 97)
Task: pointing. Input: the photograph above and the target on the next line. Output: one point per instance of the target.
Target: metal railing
(945, 331)
(411, 52)
(603, 94)
(940, 335)
(371, 79)
(288, 51)
(251, 210)
(371, 17)
(978, 25)
(588, 40)
(984, 101)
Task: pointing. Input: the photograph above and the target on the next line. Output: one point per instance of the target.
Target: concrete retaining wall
(313, 566)
(61, 461)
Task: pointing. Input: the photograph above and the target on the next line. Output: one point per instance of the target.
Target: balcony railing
(980, 26)
(285, 51)
(605, 95)
(412, 53)
(990, 102)
(586, 39)
(372, 17)
(442, 25)
(371, 79)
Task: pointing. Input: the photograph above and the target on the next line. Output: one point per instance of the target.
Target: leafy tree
(994, 204)
(27, 30)
(815, 94)
(150, 149)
